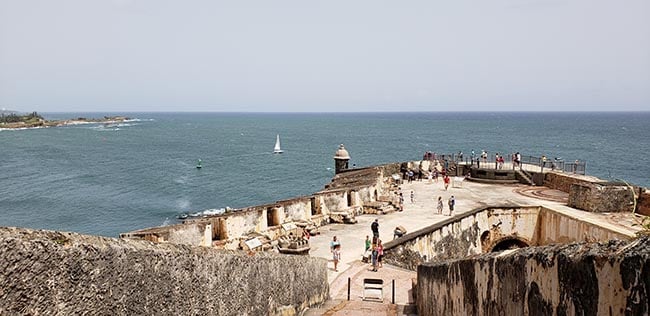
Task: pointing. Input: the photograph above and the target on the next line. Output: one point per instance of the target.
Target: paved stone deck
(417, 215)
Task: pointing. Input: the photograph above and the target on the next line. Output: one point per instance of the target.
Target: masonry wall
(45, 272)
(563, 182)
(601, 198)
(475, 233)
(612, 278)
(561, 228)
(481, 230)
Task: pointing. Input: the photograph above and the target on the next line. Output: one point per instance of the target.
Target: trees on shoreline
(14, 118)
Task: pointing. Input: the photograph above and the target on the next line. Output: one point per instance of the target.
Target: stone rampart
(493, 228)
(601, 197)
(612, 278)
(340, 201)
(563, 182)
(475, 232)
(46, 272)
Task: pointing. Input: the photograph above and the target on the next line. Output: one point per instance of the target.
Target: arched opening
(509, 243)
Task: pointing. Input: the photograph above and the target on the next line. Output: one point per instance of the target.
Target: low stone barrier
(611, 278)
(46, 272)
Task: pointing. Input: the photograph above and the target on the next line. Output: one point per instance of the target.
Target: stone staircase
(524, 177)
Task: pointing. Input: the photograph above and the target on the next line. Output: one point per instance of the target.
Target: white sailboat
(276, 149)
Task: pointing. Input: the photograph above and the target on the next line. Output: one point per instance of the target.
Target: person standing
(412, 197)
(440, 205)
(367, 243)
(451, 202)
(375, 230)
(446, 180)
(380, 253)
(374, 257)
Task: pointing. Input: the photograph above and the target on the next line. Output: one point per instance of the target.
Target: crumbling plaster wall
(297, 210)
(462, 237)
(191, 234)
(45, 272)
(480, 230)
(560, 228)
(612, 278)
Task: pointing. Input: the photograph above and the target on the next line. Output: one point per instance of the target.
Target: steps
(524, 177)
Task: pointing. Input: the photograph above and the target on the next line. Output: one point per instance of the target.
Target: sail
(277, 149)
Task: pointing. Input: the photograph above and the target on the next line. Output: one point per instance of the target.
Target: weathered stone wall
(577, 279)
(484, 229)
(563, 182)
(475, 233)
(46, 272)
(556, 227)
(601, 198)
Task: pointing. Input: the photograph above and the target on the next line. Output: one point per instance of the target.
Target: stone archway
(509, 242)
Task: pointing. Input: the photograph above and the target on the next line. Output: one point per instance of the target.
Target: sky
(324, 56)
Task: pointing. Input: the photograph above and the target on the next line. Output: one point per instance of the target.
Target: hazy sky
(238, 55)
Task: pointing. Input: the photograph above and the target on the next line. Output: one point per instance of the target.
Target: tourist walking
(440, 205)
(336, 256)
(446, 181)
(335, 242)
(412, 197)
(451, 202)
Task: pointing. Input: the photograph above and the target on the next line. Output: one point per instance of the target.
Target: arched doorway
(509, 242)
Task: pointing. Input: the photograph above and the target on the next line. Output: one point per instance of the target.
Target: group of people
(451, 202)
(374, 249)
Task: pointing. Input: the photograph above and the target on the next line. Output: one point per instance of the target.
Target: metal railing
(531, 163)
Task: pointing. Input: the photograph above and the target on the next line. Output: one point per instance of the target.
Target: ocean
(105, 180)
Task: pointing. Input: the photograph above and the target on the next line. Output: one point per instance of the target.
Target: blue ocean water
(107, 180)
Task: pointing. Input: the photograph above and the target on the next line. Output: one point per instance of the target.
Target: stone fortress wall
(612, 278)
(492, 228)
(45, 272)
(351, 193)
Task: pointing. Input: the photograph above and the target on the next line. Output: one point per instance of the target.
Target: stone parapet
(46, 272)
(563, 181)
(611, 278)
(601, 197)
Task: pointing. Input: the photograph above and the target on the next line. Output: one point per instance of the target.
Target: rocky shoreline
(42, 123)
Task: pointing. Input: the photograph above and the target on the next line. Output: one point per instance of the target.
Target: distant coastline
(34, 120)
